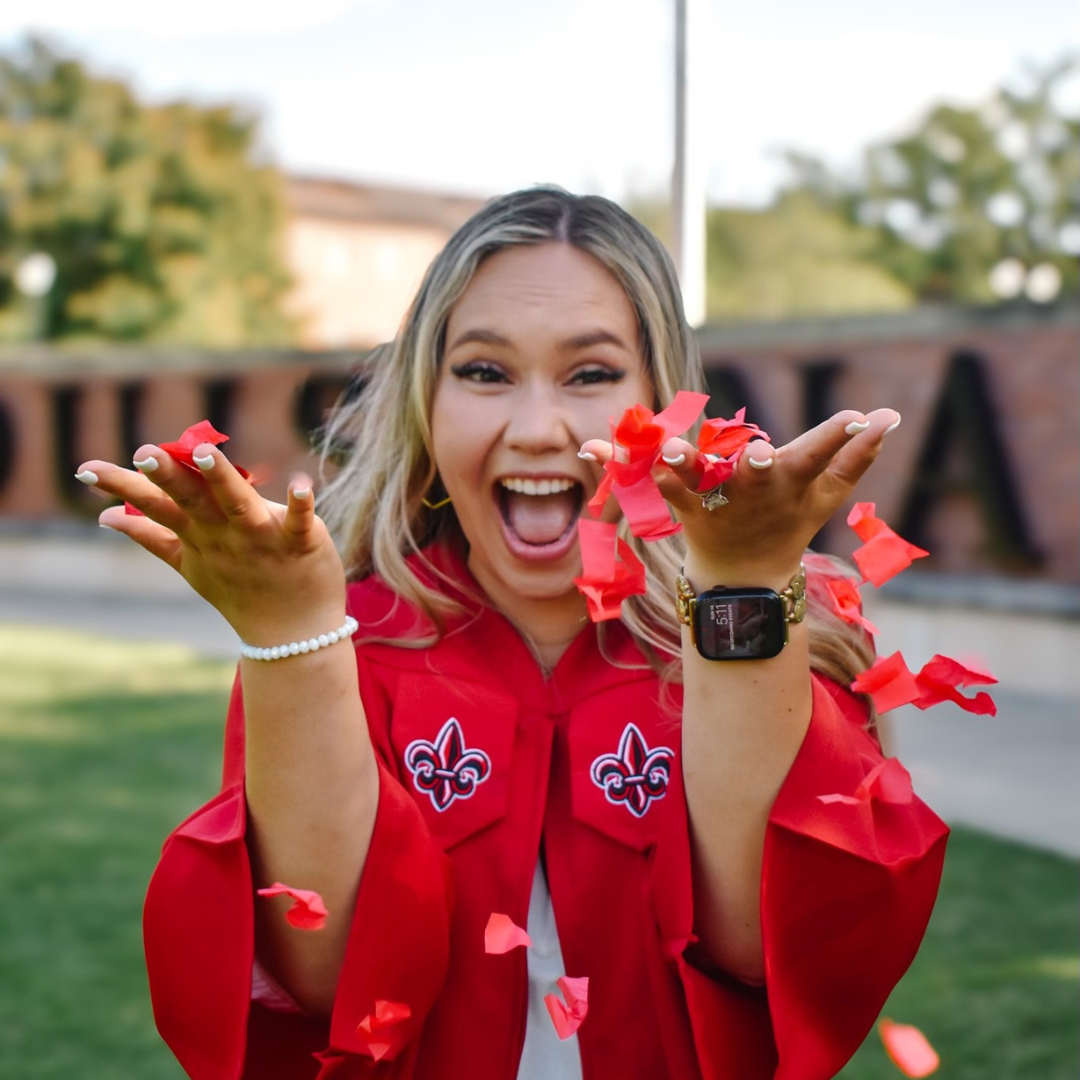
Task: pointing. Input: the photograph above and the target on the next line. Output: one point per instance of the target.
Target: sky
(481, 97)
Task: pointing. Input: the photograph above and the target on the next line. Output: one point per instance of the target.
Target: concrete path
(1016, 775)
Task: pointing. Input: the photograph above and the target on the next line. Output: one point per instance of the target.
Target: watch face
(739, 624)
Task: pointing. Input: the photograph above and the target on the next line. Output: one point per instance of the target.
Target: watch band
(793, 598)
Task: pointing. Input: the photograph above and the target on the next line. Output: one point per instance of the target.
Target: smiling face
(542, 349)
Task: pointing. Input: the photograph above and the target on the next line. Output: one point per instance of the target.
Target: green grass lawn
(105, 745)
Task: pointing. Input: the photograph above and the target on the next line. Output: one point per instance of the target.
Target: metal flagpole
(688, 199)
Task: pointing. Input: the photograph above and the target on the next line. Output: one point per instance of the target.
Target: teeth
(525, 486)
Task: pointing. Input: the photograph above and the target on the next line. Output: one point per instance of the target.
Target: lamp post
(34, 277)
(688, 197)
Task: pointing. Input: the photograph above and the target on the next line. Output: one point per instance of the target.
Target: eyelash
(475, 371)
(592, 376)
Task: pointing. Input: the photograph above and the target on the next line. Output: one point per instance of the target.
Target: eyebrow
(579, 341)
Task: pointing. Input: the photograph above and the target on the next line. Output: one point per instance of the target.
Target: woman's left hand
(778, 497)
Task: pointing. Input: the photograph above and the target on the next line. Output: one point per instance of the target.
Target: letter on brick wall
(965, 425)
(729, 392)
(7, 445)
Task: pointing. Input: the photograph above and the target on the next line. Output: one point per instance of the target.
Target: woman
(485, 749)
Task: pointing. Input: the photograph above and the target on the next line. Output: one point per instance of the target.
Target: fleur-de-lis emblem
(635, 775)
(444, 769)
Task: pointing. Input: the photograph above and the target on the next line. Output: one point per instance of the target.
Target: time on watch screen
(738, 626)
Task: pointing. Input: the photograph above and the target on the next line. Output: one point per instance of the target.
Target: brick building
(358, 253)
(984, 470)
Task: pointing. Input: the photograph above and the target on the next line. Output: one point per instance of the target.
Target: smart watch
(740, 623)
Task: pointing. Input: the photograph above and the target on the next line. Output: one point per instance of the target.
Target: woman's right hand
(309, 766)
(270, 569)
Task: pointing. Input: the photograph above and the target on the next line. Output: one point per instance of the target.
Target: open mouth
(539, 514)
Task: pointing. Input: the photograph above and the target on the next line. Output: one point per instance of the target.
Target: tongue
(540, 519)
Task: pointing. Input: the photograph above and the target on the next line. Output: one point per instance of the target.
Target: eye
(479, 372)
(590, 376)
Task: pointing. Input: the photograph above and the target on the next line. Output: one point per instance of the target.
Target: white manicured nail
(87, 477)
(678, 459)
(586, 456)
(102, 525)
(146, 464)
(855, 427)
(204, 463)
(301, 492)
(765, 463)
(893, 426)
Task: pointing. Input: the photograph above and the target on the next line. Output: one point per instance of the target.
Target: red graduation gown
(588, 761)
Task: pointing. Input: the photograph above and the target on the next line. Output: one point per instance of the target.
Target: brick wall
(57, 410)
(1026, 361)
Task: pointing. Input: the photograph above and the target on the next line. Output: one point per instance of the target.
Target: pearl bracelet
(295, 648)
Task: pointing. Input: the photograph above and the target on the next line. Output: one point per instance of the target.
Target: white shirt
(545, 1056)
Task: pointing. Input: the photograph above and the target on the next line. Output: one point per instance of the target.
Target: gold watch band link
(793, 599)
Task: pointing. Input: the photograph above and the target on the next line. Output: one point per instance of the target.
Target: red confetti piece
(908, 1047)
(380, 1030)
(641, 434)
(568, 1017)
(888, 781)
(836, 797)
(646, 510)
(883, 553)
(308, 913)
(182, 450)
(729, 438)
(637, 440)
(602, 493)
(715, 473)
(847, 603)
(888, 682)
(606, 579)
(726, 440)
(939, 679)
(502, 934)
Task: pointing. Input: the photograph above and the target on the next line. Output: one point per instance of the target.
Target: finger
(858, 455)
(681, 458)
(754, 469)
(181, 485)
(232, 493)
(155, 538)
(808, 456)
(300, 507)
(112, 481)
(595, 450)
(680, 477)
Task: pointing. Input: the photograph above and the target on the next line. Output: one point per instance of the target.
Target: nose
(538, 423)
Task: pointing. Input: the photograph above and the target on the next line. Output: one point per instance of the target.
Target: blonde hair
(373, 505)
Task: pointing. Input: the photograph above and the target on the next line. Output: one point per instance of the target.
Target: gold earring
(436, 506)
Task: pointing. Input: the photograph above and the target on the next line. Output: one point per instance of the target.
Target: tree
(796, 258)
(973, 205)
(162, 225)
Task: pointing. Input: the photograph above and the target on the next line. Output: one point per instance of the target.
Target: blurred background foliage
(974, 206)
(161, 223)
(164, 225)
